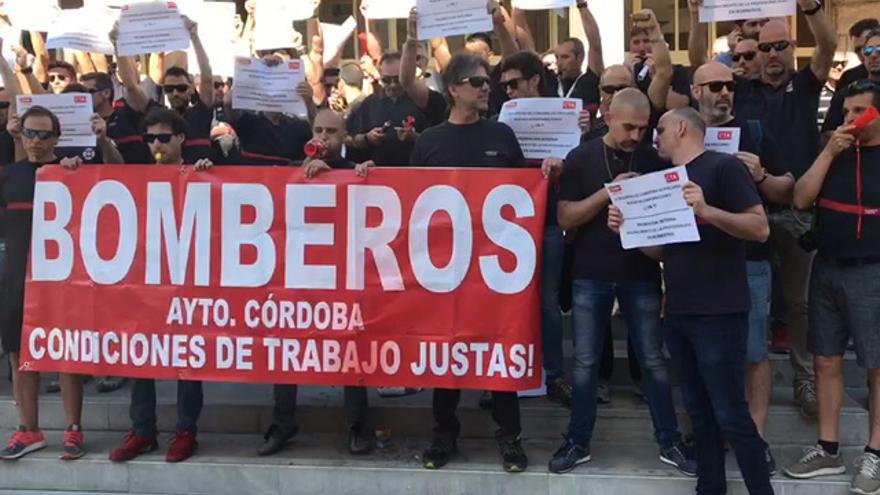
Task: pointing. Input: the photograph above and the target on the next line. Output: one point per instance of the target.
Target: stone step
(320, 464)
(243, 408)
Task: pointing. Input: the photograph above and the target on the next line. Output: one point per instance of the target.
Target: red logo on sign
(172, 5)
(615, 189)
(725, 135)
(27, 100)
(79, 99)
(671, 177)
(294, 65)
(510, 104)
(568, 105)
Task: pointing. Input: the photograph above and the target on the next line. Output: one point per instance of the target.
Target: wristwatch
(26, 70)
(815, 9)
(582, 5)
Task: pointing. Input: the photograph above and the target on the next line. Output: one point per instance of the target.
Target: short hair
(175, 71)
(863, 25)
(389, 57)
(352, 74)
(38, 111)
(458, 68)
(692, 117)
(484, 37)
(578, 46)
(865, 87)
(527, 63)
(103, 82)
(638, 31)
(75, 88)
(164, 116)
(61, 64)
(873, 34)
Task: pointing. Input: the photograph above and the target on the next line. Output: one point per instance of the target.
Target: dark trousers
(505, 412)
(708, 354)
(284, 411)
(143, 406)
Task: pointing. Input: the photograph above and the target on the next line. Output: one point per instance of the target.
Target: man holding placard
(707, 302)
(603, 271)
(713, 89)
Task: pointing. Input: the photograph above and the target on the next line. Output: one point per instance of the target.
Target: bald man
(707, 302)
(787, 102)
(714, 91)
(603, 271)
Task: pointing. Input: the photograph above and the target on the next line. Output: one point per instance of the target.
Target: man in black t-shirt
(7, 143)
(870, 55)
(713, 89)
(605, 271)
(844, 186)
(124, 124)
(707, 302)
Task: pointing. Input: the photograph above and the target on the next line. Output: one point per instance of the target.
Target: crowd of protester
(792, 212)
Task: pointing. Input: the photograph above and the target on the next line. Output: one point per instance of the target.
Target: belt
(851, 262)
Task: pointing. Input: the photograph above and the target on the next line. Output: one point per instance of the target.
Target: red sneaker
(780, 343)
(134, 446)
(73, 443)
(182, 446)
(22, 443)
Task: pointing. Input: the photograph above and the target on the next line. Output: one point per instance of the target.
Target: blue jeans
(708, 354)
(640, 305)
(143, 406)
(760, 275)
(551, 318)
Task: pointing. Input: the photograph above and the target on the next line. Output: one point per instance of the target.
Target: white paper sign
(387, 9)
(85, 29)
(654, 210)
(439, 18)
(542, 4)
(734, 10)
(32, 15)
(723, 139)
(73, 111)
(151, 27)
(217, 32)
(544, 127)
(274, 24)
(262, 88)
(335, 36)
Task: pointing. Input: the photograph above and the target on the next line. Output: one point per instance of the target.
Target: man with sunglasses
(603, 271)
(843, 186)
(707, 302)
(870, 56)
(123, 122)
(714, 90)
(59, 74)
(384, 127)
(744, 60)
(105, 152)
(196, 107)
(858, 34)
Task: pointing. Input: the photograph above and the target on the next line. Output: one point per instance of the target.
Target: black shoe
(513, 456)
(438, 454)
(568, 456)
(360, 443)
(558, 390)
(771, 462)
(276, 440)
(486, 400)
(107, 384)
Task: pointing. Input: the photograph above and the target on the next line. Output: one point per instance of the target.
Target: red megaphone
(315, 148)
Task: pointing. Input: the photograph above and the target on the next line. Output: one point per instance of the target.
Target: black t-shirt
(17, 183)
(437, 109)
(89, 154)
(681, 80)
(767, 149)
(598, 254)
(485, 143)
(375, 111)
(789, 113)
(497, 94)
(708, 277)
(125, 128)
(198, 131)
(7, 148)
(836, 231)
(585, 87)
(264, 143)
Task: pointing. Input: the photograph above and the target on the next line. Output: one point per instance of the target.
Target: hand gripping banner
(410, 277)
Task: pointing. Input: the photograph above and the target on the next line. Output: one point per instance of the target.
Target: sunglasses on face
(840, 64)
(389, 80)
(871, 50)
(175, 88)
(716, 86)
(776, 45)
(611, 89)
(749, 56)
(4, 105)
(35, 134)
(218, 85)
(162, 138)
(511, 84)
(476, 81)
(58, 77)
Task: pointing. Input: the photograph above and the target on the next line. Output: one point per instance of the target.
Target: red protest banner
(410, 277)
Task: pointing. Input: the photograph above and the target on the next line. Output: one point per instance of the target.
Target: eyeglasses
(749, 56)
(511, 84)
(716, 86)
(58, 77)
(219, 84)
(775, 45)
(476, 81)
(175, 88)
(163, 138)
(4, 105)
(611, 89)
(35, 134)
(389, 80)
(870, 50)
